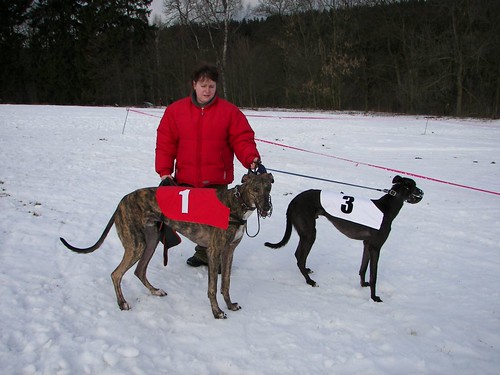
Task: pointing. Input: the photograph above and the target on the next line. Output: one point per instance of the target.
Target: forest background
(435, 57)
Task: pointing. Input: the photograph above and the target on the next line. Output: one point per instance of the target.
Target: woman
(197, 140)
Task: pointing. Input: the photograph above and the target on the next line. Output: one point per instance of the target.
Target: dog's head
(406, 189)
(256, 192)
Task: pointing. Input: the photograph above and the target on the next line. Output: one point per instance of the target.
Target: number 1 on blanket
(185, 200)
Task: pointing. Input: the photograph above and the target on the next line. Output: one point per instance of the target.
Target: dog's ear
(397, 179)
(271, 178)
(247, 177)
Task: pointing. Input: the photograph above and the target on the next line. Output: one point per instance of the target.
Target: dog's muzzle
(416, 196)
(267, 210)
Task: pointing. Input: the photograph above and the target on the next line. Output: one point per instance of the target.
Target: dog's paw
(159, 293)
(376, 299)
(312, 283)
(234, 307)
(124, 306)
(220, 315)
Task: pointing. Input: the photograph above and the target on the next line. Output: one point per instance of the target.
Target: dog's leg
(307, 233)
(130, 257)
(227, 263)
(213, 253)
(371, 256)
(129, 230)
(374, 255)
(364, 265)
(152, 239)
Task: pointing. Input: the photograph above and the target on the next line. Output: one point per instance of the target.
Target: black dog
(305, 208)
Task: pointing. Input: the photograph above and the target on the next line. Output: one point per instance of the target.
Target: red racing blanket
(193, 205)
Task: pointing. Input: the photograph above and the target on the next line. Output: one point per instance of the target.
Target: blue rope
(326, 179)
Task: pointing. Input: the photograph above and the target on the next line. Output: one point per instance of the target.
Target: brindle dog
(137, 217)
(305, 208)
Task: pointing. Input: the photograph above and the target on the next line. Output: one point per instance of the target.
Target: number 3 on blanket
(348, 206)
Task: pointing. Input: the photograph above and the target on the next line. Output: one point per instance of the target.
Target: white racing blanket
(357, 210)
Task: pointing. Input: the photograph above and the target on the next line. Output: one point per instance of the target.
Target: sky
(157, 7)
(64, 169)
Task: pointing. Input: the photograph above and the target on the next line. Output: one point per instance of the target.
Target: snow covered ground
(64, 169)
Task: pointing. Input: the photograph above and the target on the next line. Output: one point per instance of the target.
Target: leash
(239, 221)
(258, 220)
(327, 180)
(258, 228)
(238, 196)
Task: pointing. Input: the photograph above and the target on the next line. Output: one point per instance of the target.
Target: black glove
(259, 170)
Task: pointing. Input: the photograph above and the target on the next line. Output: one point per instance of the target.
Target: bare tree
(182, 12)
(280, 8)
(214, 16)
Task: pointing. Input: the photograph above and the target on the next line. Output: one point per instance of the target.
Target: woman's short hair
(205, 71)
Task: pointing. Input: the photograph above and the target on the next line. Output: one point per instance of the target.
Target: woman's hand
(255, 164)
(257, 167)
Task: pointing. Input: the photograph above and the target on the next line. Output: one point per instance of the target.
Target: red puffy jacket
(203, 142)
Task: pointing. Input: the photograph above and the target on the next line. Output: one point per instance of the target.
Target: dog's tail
(286, 236)
(96, 245)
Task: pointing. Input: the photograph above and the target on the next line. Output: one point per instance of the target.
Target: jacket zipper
(199, 151)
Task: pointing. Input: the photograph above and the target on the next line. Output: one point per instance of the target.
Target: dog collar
(243, 205)
(236, 220)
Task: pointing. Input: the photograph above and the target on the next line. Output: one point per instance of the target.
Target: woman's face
(205, 90)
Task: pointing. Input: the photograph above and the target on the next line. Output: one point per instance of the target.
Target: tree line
(434, 57)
